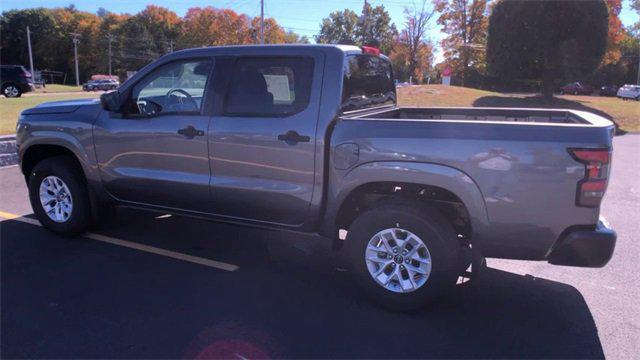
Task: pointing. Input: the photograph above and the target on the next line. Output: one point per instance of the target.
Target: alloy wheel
(11, 91)
(56, 199)
(398, 260)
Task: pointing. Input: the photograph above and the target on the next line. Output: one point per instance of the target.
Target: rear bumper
(27, 87)
(585, 248)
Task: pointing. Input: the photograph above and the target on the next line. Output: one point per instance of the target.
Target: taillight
(592, 187)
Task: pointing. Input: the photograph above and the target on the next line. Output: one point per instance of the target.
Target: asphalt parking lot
(151, 287)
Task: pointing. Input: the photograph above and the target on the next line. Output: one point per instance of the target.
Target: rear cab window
(367, 82)
(269, 86)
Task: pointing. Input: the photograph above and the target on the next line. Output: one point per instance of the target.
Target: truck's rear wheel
(59, 196)
(403, 255)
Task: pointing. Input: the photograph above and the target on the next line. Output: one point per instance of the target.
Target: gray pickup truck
(310, 139)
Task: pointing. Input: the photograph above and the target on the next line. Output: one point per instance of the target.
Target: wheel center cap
(398, 259)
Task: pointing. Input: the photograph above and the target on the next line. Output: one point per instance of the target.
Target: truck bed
(517, 158)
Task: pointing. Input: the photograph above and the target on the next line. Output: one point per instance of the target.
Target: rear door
(262, 144)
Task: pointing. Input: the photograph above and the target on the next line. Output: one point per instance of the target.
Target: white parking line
(132, 245)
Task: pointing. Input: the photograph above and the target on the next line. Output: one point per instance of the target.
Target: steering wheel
(186, 96)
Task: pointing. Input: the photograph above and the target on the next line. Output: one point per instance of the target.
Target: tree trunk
(547, 89)
(547, 80)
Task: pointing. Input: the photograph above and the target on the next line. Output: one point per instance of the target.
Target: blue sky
(301, 16)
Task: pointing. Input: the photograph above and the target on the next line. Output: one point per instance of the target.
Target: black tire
(67, 170)
(425, 222)
(15, 93)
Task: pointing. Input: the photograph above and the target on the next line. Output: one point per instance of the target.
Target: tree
(135, 39)
(291, 37)
(340, 26)
(550, 41)
(414, 53)
(111, 27)
(465, 23)
(136, 45)
(401, 59)
(373, 26)
(90, 50)
(273, 33)
(615, 33)
(13, 42)
(210, 26)
(162, 24)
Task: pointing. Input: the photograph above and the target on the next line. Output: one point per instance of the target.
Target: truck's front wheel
(59, 196)
(403, 255)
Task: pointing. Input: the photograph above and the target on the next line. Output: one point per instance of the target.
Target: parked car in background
(576, 88)
(101, 84)
(15, 80)
(608, 90)
(629, 92)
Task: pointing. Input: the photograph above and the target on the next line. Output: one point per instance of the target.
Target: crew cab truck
(309, 138)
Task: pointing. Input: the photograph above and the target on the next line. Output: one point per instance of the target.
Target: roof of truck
(344, 48)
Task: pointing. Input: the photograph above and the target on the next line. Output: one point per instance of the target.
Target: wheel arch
(32, 152)
(38, 152)
(448, 189)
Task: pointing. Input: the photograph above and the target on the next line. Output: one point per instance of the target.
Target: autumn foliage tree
(615, 33)
(412, 56)
(135, 39)
(210, 26)
(465, 23)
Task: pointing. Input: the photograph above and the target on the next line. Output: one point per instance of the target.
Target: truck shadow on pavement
(286, 300)
(540, 102)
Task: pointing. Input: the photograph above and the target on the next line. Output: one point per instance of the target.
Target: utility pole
(262, 22)
(364, 24)
(33, 75)
(110, 39)
(76, 41)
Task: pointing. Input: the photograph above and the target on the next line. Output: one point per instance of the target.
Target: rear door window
(269, 87)
(368, 82)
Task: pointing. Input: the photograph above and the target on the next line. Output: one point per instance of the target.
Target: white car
(629, 92)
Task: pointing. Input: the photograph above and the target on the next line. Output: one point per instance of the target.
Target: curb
(8, 150)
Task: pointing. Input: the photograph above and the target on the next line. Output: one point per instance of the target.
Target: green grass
(56, 88)
(626, 114)
(11, 108)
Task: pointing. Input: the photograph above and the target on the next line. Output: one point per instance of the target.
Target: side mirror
(111, 101)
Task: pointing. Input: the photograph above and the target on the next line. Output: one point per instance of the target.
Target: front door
(262, 144)
(157, 153)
